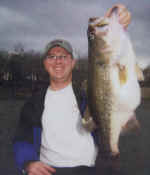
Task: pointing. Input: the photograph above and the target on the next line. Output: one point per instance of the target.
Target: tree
(19, 48)
(4, 61)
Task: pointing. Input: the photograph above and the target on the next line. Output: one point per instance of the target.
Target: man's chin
(59, 75)
(58, 78)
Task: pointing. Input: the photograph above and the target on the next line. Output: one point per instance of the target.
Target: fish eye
(102, 26)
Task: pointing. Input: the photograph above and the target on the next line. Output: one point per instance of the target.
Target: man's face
(59, 64)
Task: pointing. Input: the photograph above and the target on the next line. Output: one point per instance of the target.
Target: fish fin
(132, 125)
(139, 73)
(122, 74)
(88, 122)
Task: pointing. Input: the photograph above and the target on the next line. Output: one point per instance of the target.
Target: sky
(36, 22)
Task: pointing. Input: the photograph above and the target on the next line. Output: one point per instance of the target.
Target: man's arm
(23, 143)
(27, 139)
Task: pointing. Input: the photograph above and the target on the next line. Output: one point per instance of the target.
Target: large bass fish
(113, 88)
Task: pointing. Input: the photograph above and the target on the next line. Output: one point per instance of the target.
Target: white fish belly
(126, 98)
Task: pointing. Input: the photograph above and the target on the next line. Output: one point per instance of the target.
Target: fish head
(97, 32)
(97, 28)
(106, 34)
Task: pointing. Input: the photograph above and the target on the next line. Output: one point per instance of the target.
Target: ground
(134, 147)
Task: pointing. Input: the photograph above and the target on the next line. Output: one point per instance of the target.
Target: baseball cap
(61, 43)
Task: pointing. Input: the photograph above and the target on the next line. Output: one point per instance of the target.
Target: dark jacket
(28, 133)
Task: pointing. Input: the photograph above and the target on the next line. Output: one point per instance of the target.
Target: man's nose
(58, 60)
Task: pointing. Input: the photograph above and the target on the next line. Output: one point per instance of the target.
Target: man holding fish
(66, 148)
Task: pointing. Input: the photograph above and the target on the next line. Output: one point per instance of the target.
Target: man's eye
(52, 57)
(62, 57)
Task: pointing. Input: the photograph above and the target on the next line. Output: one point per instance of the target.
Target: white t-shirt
(65, 143)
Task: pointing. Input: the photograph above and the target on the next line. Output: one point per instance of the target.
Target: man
(66, 148)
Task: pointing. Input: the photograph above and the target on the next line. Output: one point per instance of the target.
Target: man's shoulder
(79, 91)
(78, 88)
(40, 92)
(38, 95)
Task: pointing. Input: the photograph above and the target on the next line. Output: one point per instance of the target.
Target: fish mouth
(91, 32)
(91, 27)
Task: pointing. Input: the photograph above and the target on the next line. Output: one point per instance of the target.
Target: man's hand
(39, 168)
(123, 13)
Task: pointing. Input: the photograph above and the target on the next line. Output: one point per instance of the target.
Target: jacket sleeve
(24, 144)
(24, 152)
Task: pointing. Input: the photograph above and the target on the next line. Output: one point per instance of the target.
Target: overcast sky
(36, 22)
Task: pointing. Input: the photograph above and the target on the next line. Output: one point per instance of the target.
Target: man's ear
(44, 62)
(74, 63)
